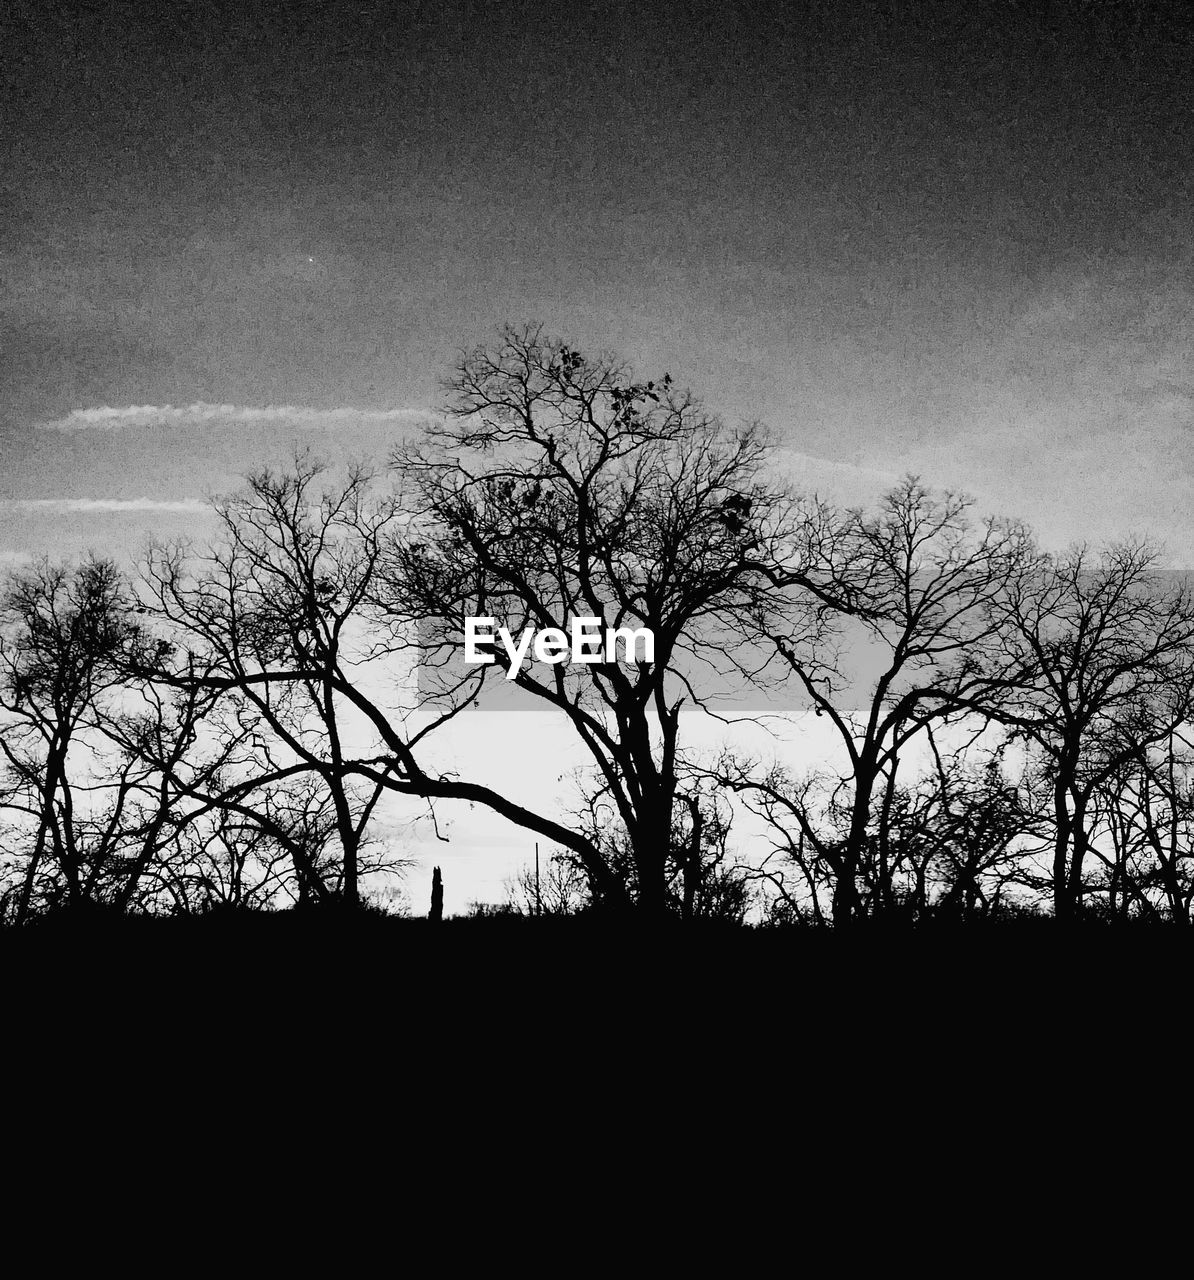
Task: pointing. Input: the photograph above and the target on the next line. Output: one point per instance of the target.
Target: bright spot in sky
(304, 268)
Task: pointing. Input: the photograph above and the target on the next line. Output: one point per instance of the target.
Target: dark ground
(947, 1087)
(555, 989)
(697, 1071)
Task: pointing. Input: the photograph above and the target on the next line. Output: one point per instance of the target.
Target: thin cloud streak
(103, 504)
(107, 417)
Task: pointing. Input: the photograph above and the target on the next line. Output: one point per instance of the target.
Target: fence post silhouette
(437, 896)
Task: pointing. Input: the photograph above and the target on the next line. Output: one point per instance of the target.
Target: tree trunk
(651, 844)
(692, 864)
(352, 893)
(1081, 843)
(1062, 905)
(845, 894)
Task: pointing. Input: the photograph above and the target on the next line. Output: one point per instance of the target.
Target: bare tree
(82, 799)
(1140, 824)
(704, 880)
(561, 888)
(272, 621)
(894, 647)
(948, 842)
(1097, 656)
(560, 487)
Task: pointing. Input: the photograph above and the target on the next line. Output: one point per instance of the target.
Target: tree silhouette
(561, 487)
(83, 795)
(273, 621)
(907, 594)
(1147, 810)
(1012, 728)
(1097, 666)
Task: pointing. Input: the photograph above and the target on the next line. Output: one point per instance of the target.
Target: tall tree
(1147, 809)
(904, 616)
(1097, 653)
(64, 633)
(561, 487)
(271, 619)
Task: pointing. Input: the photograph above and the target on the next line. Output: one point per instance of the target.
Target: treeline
(221, 724)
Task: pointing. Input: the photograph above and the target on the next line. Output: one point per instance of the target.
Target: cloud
(835, 466)
(848, 482)
(106, 417)
(103, 504)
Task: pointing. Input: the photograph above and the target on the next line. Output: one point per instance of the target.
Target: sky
(947, 238)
